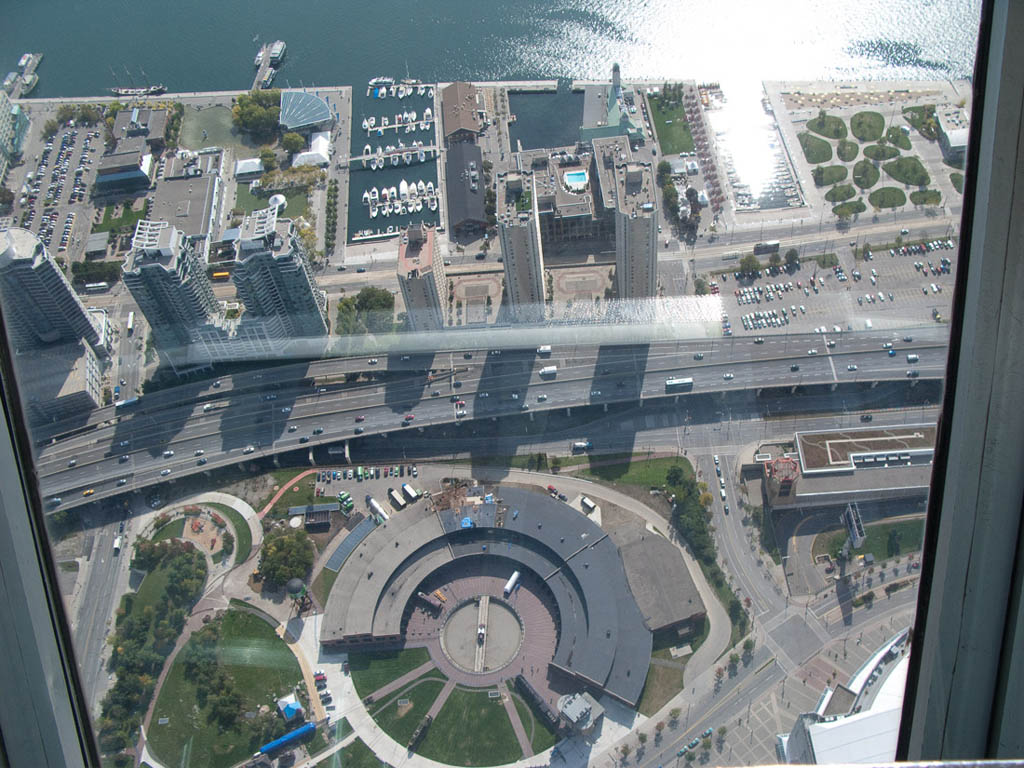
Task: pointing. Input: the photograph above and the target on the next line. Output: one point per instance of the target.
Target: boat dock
(263, 68)
(363, 161)
(25, 78)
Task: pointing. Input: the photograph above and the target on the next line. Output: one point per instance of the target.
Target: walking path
(442, 697)
(517, 724)
(400, 682)
(284, 489)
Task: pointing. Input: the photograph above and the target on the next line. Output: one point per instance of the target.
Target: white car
(812, 351)
(165, 472)
(851, 367)
(727, 376)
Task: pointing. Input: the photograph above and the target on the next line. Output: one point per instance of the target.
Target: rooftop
(140, 121)
(465, 184)
(187, 203)
(548, 167)
(626, 185)
(155, 242)
(57, 371)
(837, 450)
(303, 110)
(460, 108)
(126, 153)
(416, 251)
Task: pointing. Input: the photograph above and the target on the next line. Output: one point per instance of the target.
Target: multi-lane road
(257, 414)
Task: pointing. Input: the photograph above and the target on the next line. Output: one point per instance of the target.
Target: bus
(126, 403)
(395, 499)
(771, 246)
(678, 384)
(97, 287)
(220, 275)
(130, 327)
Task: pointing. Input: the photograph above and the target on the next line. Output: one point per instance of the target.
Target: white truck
(582, 445)
(544, 350)
(549, 370)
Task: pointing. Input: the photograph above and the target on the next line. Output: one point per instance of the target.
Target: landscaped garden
(957, 180)
(867, 126)
(883, 540)
(847, 150)
(372, 670)
(671, 127)
(908, 170)
(471, 729)
(399, 722)
(848, 209)
(829, 126)
(923, 119)
(898, 138)
(880, 152)
(840, 193)
(926, 197)
(888, 197)
(827, 175)
(815, 150)
(297, 201)
(865, 174)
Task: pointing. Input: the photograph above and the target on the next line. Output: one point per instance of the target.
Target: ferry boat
(277, 51)
(378, 81)
(258, 60)
(28, 82)
(153, 90)
(268, 78)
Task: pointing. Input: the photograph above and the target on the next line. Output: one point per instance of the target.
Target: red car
(552, 489)
(360, 418)
(409, 417)
(460, 403)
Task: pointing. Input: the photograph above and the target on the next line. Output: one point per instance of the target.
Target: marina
(394, 155)
(21, 82)
(267, 62)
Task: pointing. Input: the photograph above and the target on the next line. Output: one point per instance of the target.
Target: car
(892, 353)
(908, 339)
(248, 449)
(165, 472)
(360, 418)
(866, 417)
(342, 267)
(759, 340)
(727, 376)
(494, 352)
(88, 492)
(124, 382)
(515, 395)
(124, 443)
(201, 462)
(123, 459)
(707, 733)
(851, 367)
(72, 462)
(286, 409)
(216, 384)
(436, 393)
(270, 397)
(168, 453)
(359, 430)
(303, 439)
(721, 480)
(913, 374)
(467, 355)
(318, 431)
(887, 345)
(199, 452)
(682, 751)
(292, 427)
(812, 351)
(409, 416)
(693, 744)
(698, 355)
(361, 270)
(794, 367)
(541, 398)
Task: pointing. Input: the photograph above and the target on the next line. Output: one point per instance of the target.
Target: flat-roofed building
(170, 285)
(249, 168)
(273, 279)
(954, 129)
(462, 112)
(191, 204)
(422, 280)
(564, 192)
(126, 168)
(151, 124)
(522, 249)
(465, 186)
(60, 381)
(628, 193)
(40, 306)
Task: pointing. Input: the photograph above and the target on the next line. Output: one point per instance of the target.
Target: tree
(721, 734)
(642, 738)
(257, 112)
(705, 744)
(659, 727)
(50, 128)
(750, 264)
(674, 475)
(792, 257)
(734, 659)
(674, 713)
(6, 197)
(700, 286)
(693, 199)
(719, 673)
(748, 645)
(286, 555)
(292, 142)
(775, 259)
(706, 499)
(664, 173)
(624, 750)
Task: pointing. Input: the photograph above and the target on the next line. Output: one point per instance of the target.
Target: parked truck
(549, 370)
(544, 350)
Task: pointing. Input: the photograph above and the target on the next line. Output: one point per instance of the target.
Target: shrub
(880, 152)
(888, 197)
(825, 176)
(897, 137)
(926, 197)
(827, 125)
(840, 193)
(846, 210)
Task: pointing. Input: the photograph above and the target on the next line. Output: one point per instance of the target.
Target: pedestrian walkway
(319, 713)
(400, 682)
(283, 489)
(442, 697)
(517, 724)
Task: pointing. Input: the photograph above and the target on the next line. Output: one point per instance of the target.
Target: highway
(275, 411)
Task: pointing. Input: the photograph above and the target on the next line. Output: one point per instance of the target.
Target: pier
(264, 67)
(432, 152)
(27, 77)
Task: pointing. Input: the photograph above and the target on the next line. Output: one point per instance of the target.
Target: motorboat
(432, 203)
(396, 159)
(424, 125)
(382, 81)
(259, 59)
(430, 93)
(428, 114)
(366, 197)
(430, 189)
(366, 124)
(412, 116)
(371, 121)
(384, 121)
(419, 205)
(421, 156)
(374, 195)
(373, 211)
(393, 193)
(408, 158)
(421, 90)
(367, 150)
(421, 187)
(403, 190)
(384, 193)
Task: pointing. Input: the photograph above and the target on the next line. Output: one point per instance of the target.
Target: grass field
(645, 472)
(898, 138)
(883, 540)
(865, 174)
(867, 126)
(355, 755)
(220, 132)
(541, 737)
(373, 669)
(663, 682)
(471, 729)
(880, 152)
(128, 219)
(322, 585)
(297, 201)
(263, 669)
(243, 536)
(815, 150)
(826, 176)
(849, 208)
(887, 197)
(908, 170)
(829, 126)
(840, 193)
(923, 119)
(847, 150)
(957, 180)
(926, 197)
(173, 530)
(674, 137)
(421, 694)
(291, 498)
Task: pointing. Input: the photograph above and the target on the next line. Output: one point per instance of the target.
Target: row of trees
(331, 216)
(145, 636)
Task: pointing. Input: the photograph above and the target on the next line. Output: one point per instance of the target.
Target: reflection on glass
(599, 411)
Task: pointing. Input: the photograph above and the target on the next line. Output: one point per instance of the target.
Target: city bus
(97, 287)
(126, 403)
(130, 327)
(771, 246)
(678, 384)
(220, 275)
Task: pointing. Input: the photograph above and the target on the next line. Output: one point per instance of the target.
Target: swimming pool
(576, 181)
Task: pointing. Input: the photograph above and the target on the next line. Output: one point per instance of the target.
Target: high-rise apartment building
(522, 249)
(40, 306)
(422, 280)
(170, 285)
(273, 279)
(13, 129)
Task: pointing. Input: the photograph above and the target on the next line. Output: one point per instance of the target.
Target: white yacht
(421, 155)
(396, 159)
(373, 211)
(430, 189)
(432, 203)
(374, 195)
(366, 197)
(408, 158)
(366, 124)
(419, 205)
(421, 187)
(403, 190)
(428, 114)
(412, 116)
(384, 121)
(371, 121)
(393, 193)
(430, 93)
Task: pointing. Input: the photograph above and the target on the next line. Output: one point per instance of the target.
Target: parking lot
(376, 481)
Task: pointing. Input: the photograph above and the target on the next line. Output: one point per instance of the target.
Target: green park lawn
(355, 755)
(829, 126)
(421, 694)
(671, 128)
(926, 197)
(243, 536)
(923, 119)
(908, 170)
(865, 174)
(541, 737)
(826, 176)
(880, 152)
(883, 540)
(957, 180)
(471, 729)
(887, 197)
(297, 201)
(847, 150)
(815, 150)
(372, 670)
(644, 472)
(127, 219)
(840, 193)
(849, 208)
(898, 138)
(173, 530)
(263, 669)
(867, 126)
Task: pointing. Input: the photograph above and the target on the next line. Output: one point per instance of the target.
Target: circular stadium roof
(303, 110)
